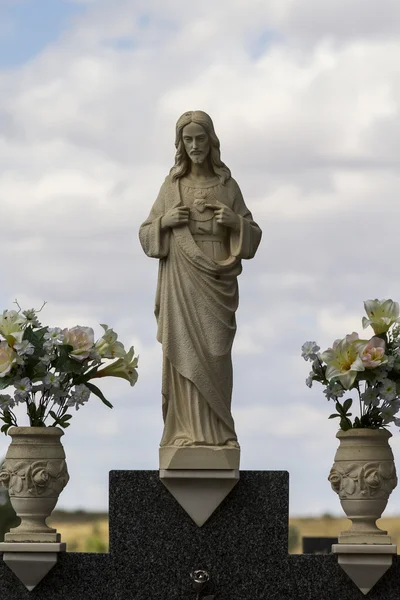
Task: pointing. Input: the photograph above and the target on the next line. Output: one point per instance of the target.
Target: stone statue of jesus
(200, 229)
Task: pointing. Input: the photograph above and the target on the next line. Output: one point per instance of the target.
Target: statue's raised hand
(175, 217)
(225, 215)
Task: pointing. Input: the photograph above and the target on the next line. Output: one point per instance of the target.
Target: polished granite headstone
(154, 545)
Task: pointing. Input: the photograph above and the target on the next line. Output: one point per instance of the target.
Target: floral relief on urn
(40, 478)
(370, 480)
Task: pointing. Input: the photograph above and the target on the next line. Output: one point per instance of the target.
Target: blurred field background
(88, 531)
(328, 526)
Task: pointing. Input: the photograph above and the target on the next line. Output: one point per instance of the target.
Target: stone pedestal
(31, 561)
(365, 563)
(199, 457)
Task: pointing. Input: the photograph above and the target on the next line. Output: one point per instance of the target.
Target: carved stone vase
(35, 473)
(363, 475)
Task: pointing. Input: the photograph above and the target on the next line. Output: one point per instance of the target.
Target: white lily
(382, 314)
(11, 324)
(124, 367)
(108, 346)
(343, 360)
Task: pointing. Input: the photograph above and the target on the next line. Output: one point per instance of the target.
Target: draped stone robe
(196, 300)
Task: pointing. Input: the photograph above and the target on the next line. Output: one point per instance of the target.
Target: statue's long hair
(182, 160)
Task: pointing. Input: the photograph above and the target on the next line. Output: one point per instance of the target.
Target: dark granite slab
(159, 545)
(154, 545)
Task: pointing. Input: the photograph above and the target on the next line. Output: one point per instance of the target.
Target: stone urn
(363, 475)
(35, 473)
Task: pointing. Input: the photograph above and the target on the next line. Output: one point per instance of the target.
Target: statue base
(199, 457)
(199, 491)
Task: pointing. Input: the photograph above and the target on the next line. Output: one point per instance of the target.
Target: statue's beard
(198, 159)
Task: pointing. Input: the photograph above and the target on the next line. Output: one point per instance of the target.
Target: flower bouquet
(371, 367)
(51, 370)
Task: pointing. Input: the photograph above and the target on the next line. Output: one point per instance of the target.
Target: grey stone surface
(154, 545)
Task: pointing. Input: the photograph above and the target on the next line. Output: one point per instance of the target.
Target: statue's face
(197, 144)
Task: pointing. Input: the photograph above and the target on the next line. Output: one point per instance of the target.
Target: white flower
(334, 391)
(388, 412)
(309, 380)
(387, 389)
(53, 336)
(51, 380)
(20, 397)
(22, 389)
(24, 348)
(6, 402)
(50, 349)
(108, 346)
(79, 396)
(309, 350)
(7, 359)
(31, 317)
(343, 360)
(370, 396)
(46, 359)
(23, 385)
(382, 314)
(123, 367)
(81, 339)
(12, 324)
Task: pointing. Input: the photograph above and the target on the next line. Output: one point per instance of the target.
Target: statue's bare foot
(232, 444)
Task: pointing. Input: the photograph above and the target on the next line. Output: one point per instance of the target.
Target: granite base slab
(154, 545)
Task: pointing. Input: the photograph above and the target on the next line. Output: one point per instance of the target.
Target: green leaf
(346, 405)
(339, 408)
(95, 390)
(334, 416)
(6, 417)
(5, 382)
(65, 364)
(32, 410)
(345, 424)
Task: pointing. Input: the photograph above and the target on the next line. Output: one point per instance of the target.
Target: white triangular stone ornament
(199, 492)
(30, 567)
(31, 561)
(365, 564)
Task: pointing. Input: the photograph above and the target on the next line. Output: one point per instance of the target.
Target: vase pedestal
(365, 563)
(30, 562)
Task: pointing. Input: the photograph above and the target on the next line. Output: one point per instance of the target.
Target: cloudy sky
(305, 98)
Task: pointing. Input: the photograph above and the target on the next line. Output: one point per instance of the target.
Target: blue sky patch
(28, 26)
(261, 43)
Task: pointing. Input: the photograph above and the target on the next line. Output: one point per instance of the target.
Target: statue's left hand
(225, 215)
